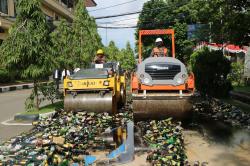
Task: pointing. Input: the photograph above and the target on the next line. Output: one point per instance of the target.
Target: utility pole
(106, 35)
(210, 34)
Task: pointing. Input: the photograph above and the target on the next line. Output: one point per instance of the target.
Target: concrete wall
(247, 65)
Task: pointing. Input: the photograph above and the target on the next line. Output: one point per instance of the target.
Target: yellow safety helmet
(100, 51)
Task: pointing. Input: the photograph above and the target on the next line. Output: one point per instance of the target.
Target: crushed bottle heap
(61, 140)
(220, 110)
(165, 139)
(65, 138)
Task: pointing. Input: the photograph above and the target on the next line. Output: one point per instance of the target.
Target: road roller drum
(92, 102)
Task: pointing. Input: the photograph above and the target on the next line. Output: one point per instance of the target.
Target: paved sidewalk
(12, 103)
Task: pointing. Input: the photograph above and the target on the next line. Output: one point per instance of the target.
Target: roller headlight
(69, 84)
(106, 83)
(146, 80)
(184, 76)
(179, 81)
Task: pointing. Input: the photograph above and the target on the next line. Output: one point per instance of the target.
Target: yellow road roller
(100, 88)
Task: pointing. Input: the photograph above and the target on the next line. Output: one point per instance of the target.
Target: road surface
(10, 104)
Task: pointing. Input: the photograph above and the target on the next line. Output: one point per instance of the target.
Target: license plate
(98, 66)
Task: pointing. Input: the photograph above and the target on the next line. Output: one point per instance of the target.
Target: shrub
(30, 102)
(50, 92)
(236, 74)
(211, 69)
(4, 76)
(46, 91)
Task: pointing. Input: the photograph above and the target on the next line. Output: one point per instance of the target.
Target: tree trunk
(36, 95)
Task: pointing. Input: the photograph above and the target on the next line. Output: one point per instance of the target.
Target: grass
(242, 88)
(45, 109)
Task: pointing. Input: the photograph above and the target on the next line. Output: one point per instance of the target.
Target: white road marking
(6, 123)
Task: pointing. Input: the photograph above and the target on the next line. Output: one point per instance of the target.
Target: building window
(4, 6)
(1, 30)
(56, 17)
(68, 3)
(48, 18)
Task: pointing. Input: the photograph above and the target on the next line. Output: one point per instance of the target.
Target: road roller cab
(161, 86)
(100, 88)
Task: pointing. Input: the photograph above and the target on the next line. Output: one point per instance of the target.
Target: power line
(125, 27)
(126, 14)
(118, 15)
(123, 24)
(113, 6)
(117, 21)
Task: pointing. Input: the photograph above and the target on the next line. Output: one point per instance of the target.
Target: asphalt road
(10, 104)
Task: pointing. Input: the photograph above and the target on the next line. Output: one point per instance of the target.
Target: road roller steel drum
(97, 89)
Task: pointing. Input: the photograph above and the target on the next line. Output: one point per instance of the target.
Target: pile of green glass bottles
(63, 139)
(166, 140)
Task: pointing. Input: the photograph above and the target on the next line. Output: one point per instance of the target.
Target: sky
(120, 36)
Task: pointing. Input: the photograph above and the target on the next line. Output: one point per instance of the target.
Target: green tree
(85, 36)
(236, 74)
(228, 20)
(165, 14)
(211, 71)
(26, 50)
(113, 53)
(127, 58)
(61, 40)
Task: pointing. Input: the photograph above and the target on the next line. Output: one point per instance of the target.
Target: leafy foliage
(223, 20)
(62, 37)
(27, 49)
(45, 91)
(113, 53)
(211, 69)
(160, 14)
(127, 58)
(86, 39)
(236, 74)
(124, 56)
(5, 76)
(50, 92)
(228, 19)
(34, 100)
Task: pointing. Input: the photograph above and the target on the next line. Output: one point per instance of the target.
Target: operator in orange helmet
(160, 50)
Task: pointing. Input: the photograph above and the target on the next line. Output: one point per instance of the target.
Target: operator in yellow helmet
(100, 57)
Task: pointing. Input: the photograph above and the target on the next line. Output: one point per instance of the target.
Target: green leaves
(86, 39)
(62, 38)
(26, 51)
(211, 69)
(223, 21)
(126, 56)
(159, 14)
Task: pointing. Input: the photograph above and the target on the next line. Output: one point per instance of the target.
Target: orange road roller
(161, 86)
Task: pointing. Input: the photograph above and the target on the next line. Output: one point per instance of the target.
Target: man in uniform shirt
(100, 57)
(160, 50)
